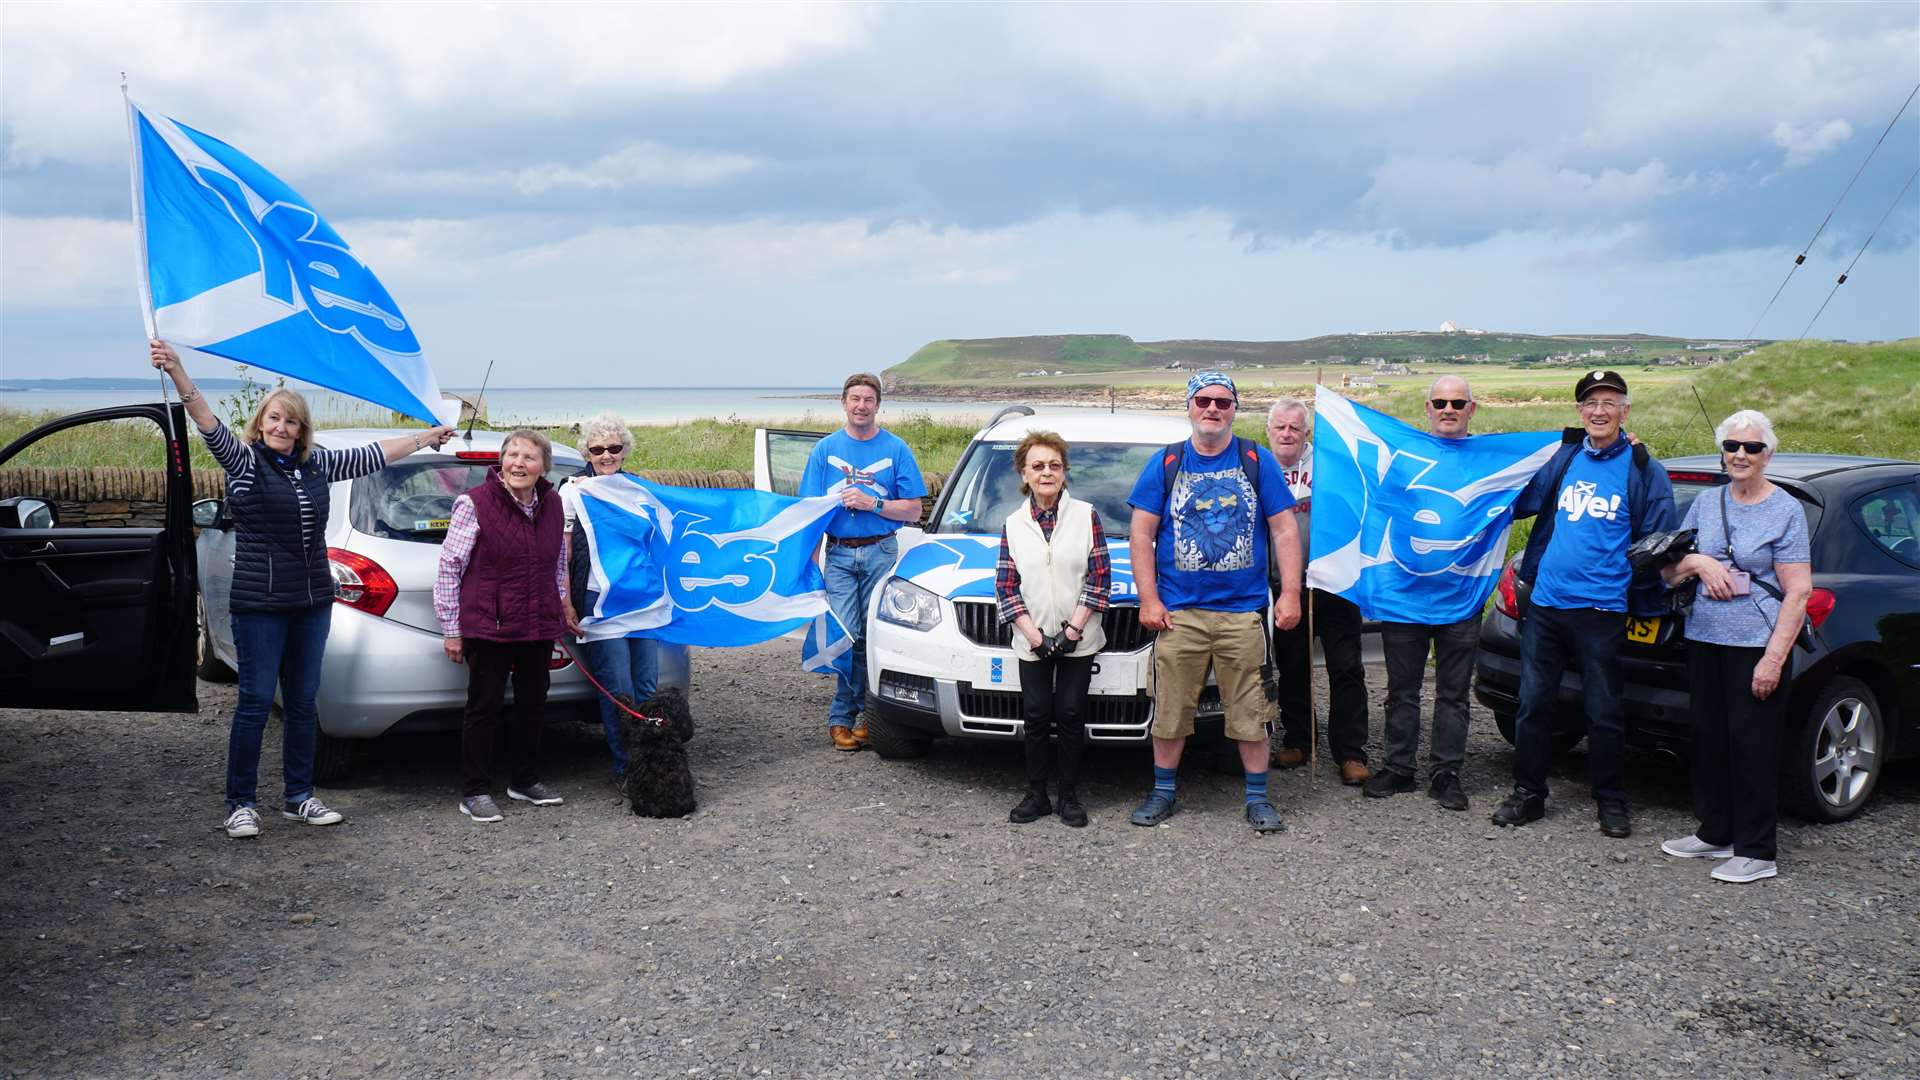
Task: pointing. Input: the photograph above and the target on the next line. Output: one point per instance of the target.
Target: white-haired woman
(282, 599)
(1753, 574)
(628, 666)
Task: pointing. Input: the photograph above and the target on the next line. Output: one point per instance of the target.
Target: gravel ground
(830, 914)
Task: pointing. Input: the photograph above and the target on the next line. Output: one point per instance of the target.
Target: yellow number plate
(1643, 631)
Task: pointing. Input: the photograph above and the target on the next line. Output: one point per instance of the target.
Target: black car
(1855, 700)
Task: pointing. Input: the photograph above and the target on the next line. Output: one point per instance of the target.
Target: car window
(987, 488)
(413, 500)
(1891, 517)
(1690, 486)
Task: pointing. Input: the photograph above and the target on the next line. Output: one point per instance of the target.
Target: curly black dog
(659, 783)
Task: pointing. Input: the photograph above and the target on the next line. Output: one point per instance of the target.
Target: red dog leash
(656, 721)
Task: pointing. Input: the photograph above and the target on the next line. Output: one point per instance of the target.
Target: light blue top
(1585, 563)
(1762, 535)
(1211, 551)
(882, 465)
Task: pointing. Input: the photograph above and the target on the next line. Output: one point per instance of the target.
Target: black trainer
(1034, 806)
(1069, 810)
(1615, 821)
(1446, 790)
(1386, 782)
(1519, 809)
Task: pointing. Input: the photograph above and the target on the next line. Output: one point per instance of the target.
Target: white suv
(938, 657)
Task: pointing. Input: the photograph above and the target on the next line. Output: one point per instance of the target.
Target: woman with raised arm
(277, 485)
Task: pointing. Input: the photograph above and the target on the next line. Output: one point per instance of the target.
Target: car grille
(980, 623)
(1005, 705)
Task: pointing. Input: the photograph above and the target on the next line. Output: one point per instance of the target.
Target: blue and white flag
(701, 566)
(235, 263)
(1407, 525)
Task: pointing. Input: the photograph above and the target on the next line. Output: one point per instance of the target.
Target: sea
(554, 407)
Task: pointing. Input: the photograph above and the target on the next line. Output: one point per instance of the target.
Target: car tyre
(1567, 733)
(208, 664)
(1834, 754)
(890, 742)
(332, 757)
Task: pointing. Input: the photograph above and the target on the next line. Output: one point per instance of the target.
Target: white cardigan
(1052, 572)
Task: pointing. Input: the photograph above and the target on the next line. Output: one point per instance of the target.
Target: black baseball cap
(1596, 380)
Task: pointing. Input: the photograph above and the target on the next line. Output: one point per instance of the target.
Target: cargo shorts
(1234, 645)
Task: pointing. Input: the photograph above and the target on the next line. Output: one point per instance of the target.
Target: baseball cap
(1596, 380)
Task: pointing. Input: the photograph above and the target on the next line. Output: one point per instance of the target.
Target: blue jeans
(1589, 640)
(852, 574)
(629, 666)
(284, 647)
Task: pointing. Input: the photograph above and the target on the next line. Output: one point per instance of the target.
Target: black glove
(1058, 645)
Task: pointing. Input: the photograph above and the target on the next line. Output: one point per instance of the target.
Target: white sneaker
(1741, 871)
(243, 822)
(314, 812)
(1692, 847)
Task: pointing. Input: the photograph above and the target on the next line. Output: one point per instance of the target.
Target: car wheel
(1833, 756)
(208, 664)
(332, 757)
(890, 742)
(1567, 732)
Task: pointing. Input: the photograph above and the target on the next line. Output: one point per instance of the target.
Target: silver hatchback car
(384, 668)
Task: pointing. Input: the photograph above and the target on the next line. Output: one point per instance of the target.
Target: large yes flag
(1407, 525)
(235, 263)
(707, 567)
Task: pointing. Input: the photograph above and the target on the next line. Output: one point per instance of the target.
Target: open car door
(99, 616)
(780, 456)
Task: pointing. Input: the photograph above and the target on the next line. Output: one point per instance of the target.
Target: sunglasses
(1207, 401)
(1455, 404)
(1047, 466)
(597, 451)
(1732, 445)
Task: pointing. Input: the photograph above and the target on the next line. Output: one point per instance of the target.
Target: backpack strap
(1169, 470)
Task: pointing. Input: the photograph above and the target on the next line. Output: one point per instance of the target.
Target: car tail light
(477, 455)
(559, 659)
(1819, 606)
(359, 582)
(1507, 599)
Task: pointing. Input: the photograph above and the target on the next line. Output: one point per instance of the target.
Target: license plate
(1643, 631)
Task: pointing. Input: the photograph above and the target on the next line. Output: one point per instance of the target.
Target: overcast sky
(708, 195)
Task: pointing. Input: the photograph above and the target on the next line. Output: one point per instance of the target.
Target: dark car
(1854, 701)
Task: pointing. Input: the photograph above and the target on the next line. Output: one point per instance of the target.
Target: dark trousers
(283, 647)
(489, 665)
(1736, 749)
(1406, 646)
(1053, 701)
(1589, 640)
(1337, 623)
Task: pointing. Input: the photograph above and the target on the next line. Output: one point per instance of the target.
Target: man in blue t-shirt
(1594, 498)
(1204, 515)
(880, 490)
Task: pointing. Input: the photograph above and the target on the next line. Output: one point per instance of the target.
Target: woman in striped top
(282, 601)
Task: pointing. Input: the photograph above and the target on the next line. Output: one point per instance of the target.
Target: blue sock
(1256, 787)
(1163, 780)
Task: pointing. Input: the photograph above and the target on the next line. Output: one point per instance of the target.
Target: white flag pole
(136, 185)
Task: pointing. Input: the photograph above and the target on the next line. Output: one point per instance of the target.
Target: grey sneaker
(1740, 870)
(480, 808)
(243, 822)
(1692, 847)
(313, 812)
(536, 793)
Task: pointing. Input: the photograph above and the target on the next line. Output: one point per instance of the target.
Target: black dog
(659, 783)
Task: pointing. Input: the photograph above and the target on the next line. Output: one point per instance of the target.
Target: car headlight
(903, 603)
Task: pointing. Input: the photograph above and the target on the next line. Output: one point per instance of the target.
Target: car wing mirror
(26, 512)
(212, 514)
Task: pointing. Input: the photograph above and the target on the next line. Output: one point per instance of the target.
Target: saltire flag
(235, 263)
(1407, 525)
(703, 566)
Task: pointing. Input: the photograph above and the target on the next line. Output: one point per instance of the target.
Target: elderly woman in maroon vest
(501, 597)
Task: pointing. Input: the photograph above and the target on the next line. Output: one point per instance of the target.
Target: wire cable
(1802, 257)
(1856, 255)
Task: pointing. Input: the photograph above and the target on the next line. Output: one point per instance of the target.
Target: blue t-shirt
(1211, 551)
(882, 465)
(1585, 564)
(1770, 532)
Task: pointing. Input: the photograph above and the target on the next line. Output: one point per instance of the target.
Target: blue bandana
(1210, 378)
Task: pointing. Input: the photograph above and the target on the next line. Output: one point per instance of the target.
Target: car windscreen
(1686, 489)
(987, 488)
(413, 500)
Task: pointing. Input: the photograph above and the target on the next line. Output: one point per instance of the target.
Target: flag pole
(140, 248)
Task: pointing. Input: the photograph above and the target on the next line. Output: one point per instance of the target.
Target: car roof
(1802, 467)
(1146, 428)
(485, 441)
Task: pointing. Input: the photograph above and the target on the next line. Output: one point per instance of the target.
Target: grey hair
(1434, 387)
(1748, 418)
(1288, 403)
(606, 425)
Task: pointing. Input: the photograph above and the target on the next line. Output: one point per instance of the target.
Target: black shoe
(1615, 821)
(1071, 813)
(1446, 790)
(1519, 809)
(1386, 782)
(1034, 806)
(1264, 818)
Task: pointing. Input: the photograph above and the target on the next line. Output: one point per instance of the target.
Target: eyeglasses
(597, 451)
(1207, 401)
(1602, 405)
(1047, 466)
(1450, 403)
(1732, 445)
